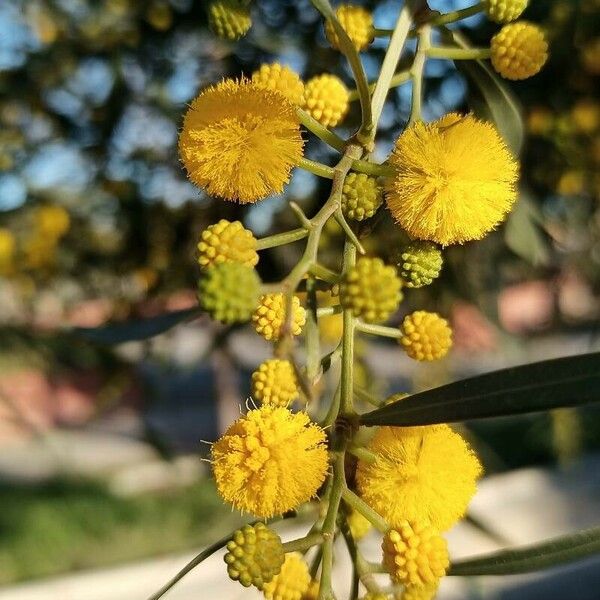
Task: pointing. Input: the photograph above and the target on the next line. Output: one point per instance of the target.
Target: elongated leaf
(539, 386)
(140, 329)
(489, 97)
(532, 558)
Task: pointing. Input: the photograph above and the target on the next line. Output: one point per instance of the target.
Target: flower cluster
(446, 182)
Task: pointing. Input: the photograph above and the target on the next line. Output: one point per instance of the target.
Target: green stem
(326, 311)
(352, 500)
(325, 274)
(328, 136)
(365, 396)
(456, 15)
(388, 67)
(304, 543)
(316, 168)
(349, 51)
(281, 239)
(334, 408)
(362, 454)
(452, 53)
(381, 330)
(341, 220)
(416, 73)
(329, 525)
(347, 378)
(398, 79)
(311, 332)
(369, 168)
(382, 32)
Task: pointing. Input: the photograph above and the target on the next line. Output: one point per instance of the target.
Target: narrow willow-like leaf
(135, 330)
(550, 553)
(489, 97)
(540, 386)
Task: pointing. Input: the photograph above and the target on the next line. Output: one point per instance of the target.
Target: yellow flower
(240, 141)
(415, 554)
(326, 99)
(51, 221)
(420, 592)
(421, 474)
(229, 19)
(361, 196)
(274, 382)
(455, 180)
(270, 461)
(280, 78)
(426, 336)
(371, 290)
(269, 317)
(540, 120)
(254, 555)
(504, 11)
(7, 251)
(586, 115)
(293, 581)
(359, 525)
(356, 22)
(519, 50)
(227, 242)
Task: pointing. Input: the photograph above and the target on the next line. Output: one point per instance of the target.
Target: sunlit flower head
(421, 474)
(270, 461)
(455, 180)
(240, 141)
(292, 582)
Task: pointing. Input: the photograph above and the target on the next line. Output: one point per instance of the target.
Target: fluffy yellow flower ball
(356, 22)
(504, 11)
(7, 251)
(420, 592)
(240, 141)
(270, 461)
(280, 78)
(275, 382)
(227, 241)
(426, 336)
(326, 99)
(519, 50)
(269, 316)
(421, 474)
(293, 581)
(455, 180)
(415, 554)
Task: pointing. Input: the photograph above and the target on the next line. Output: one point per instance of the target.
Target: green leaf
(536, 387)
(523, 234)
(553, 552)
(489, 97)
(129, 331)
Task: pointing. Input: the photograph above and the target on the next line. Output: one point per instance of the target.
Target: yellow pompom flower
(426, 336)
(420, 592)
(270, 461)
(7, 251)
(240, 141)
(326, 99)
(280, 78)
(227, 241)
(359, 525)
(454, 182)
(269, 316)
(371, 290)
(275, 382)
(421, 474)
(356, 22)
(293, 581)
(586, 115)
(229, 19)
(254, 555)
(504, 11)
(51, 221)
(361, 196)
(415, 554)
(519, 50)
